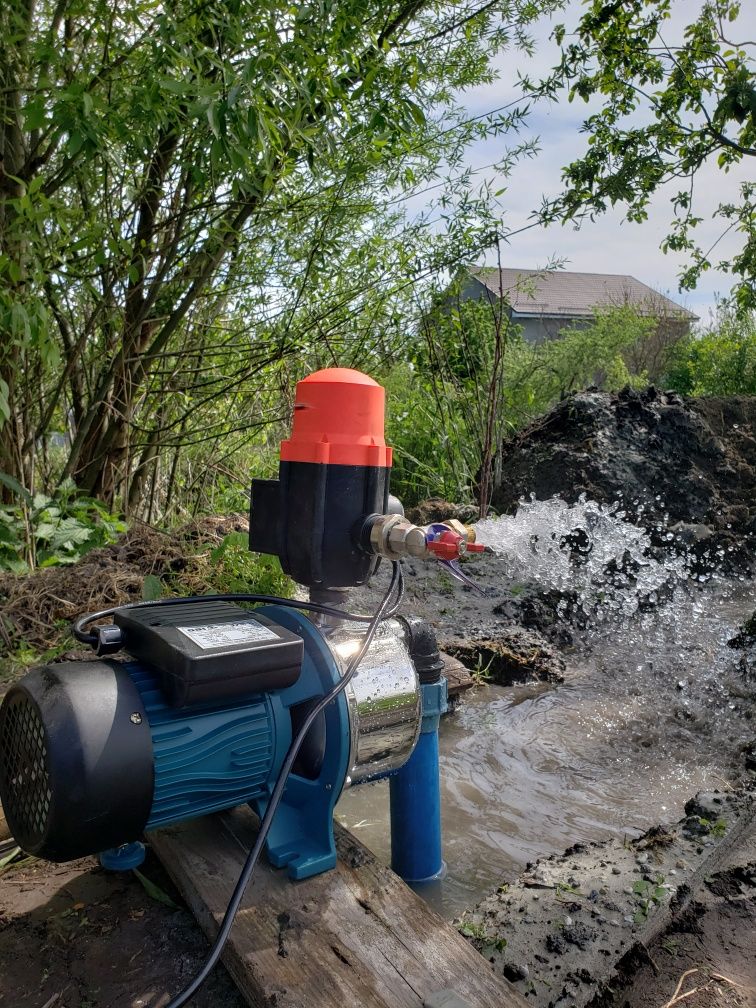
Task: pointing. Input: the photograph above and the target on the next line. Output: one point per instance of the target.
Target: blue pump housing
(211, 757)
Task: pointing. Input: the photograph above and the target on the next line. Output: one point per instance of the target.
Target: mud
(672, 462)
(617, 923)
(493, 643)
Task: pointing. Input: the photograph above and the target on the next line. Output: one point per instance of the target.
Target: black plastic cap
(76, 764)
(109, 640)
(423, 649)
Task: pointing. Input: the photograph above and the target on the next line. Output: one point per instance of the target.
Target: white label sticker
(216, 635)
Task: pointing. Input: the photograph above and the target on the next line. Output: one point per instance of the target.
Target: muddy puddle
(653, 707)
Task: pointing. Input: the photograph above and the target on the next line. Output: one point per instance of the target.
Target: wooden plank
(457, 676)
(353, 936)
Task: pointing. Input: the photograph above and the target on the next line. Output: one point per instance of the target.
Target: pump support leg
(416, 854)
(123, 858)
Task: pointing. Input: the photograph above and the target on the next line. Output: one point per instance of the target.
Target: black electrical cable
(89, 638)
(397, 584)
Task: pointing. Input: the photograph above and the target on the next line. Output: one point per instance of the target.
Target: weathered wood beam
(353, 936)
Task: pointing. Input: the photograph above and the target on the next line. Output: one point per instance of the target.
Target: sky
(609, 244)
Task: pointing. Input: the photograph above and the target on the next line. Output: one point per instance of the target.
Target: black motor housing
(76, 759)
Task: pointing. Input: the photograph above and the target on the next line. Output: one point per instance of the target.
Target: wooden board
(355, 936)
(457, 676)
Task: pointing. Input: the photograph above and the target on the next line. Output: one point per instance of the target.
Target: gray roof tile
(557, 292)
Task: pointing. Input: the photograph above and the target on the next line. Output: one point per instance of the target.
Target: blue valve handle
(456, 572)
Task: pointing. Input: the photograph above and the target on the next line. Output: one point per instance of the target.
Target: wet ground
(572, 930)
(654, 706)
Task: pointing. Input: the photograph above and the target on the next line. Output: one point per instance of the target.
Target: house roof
(557, 293)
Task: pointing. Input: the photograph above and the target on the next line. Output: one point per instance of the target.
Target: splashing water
(653, 707)
(589, 550)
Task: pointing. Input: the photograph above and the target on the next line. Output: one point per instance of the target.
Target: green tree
(592, 354)
(462, 362)
(193, 193)
(663, 112)
(720, 361)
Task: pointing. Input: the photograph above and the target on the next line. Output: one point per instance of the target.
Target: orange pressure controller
(329, 516)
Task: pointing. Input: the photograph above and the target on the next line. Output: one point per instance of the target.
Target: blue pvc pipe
(415, 792)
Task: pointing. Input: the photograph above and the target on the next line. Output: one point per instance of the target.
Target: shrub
(720, 361)
(42, 531)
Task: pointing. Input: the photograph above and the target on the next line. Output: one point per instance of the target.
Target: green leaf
(233, 539)
(75, 142)
(34, 114)
(41, 501)
(152, 588)
(155, 892)
(15, 487)
(4, 402)
(212, 118)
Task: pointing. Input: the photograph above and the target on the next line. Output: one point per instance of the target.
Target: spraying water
(654, 706)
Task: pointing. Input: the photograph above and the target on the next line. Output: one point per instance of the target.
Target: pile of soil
(674, 464)
(37, 608)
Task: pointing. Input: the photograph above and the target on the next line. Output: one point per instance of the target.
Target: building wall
(542, 329)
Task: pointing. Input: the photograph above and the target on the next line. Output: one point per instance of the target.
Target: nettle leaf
(45, 530)
(64, 534)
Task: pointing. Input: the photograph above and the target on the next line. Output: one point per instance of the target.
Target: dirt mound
(514, 655)
(37, 608)
(437, 510)
(685, 466)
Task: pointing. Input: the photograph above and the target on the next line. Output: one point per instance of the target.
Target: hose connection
(393, 536)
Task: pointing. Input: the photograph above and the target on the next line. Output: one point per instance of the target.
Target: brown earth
(75, 936)
(713, 941)
(616, 924)
(36, 609)
(713, 959)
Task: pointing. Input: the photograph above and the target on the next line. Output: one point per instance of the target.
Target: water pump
(212, 699)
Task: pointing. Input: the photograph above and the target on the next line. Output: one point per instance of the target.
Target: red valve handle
(450, 546)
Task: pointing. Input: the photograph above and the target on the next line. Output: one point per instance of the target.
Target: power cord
(89, 638)
(383, 612)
